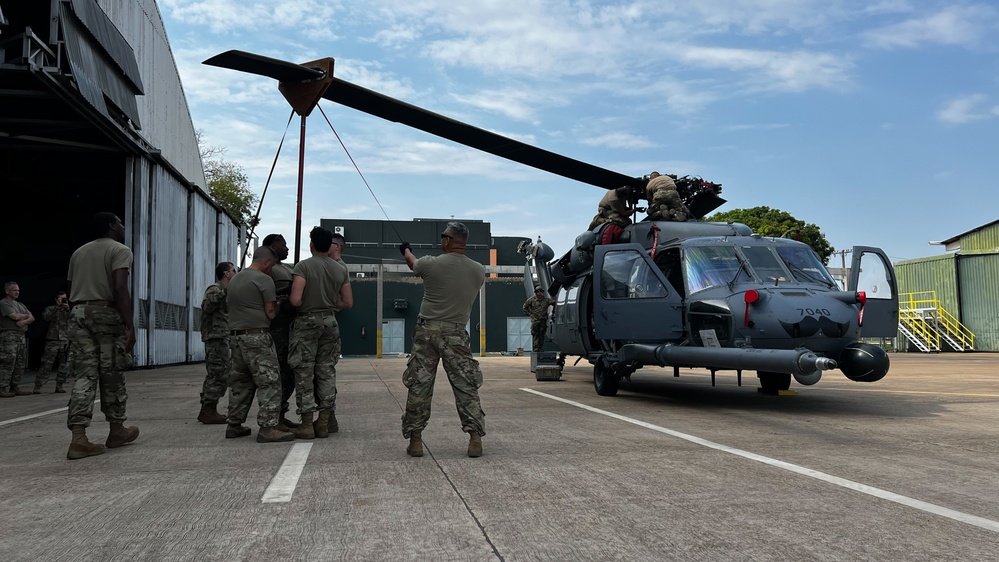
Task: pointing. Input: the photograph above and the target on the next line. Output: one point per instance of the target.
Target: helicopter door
(631, 298)
(872, 273)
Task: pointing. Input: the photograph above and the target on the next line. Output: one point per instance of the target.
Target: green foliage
(774, 222)
(227, 183)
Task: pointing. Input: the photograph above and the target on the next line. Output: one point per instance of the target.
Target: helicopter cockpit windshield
(711, 266)
(805, 265)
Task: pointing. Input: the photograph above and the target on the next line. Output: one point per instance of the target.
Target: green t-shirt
(8, 307)
(450, 284)
(281, 274)
(90, 269)
(323, 279)
(248, 292)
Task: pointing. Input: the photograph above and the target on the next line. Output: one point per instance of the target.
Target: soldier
(252, 304)
(451, 282)
(336, 251)
(537, 308)
(613, 209)
(13, 325)
(101, 335)
(281, 325)
(215, 335)
(664, 201)
(56, 344)
(319, 286)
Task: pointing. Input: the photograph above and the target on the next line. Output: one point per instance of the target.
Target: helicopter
(669, 294)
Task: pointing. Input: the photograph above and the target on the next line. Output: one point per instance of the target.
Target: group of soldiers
(271, 331)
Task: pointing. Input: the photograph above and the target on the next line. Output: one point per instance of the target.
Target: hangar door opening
(393, 337)
(518, 333)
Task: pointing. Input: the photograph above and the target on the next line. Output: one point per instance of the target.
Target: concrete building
(93, 118)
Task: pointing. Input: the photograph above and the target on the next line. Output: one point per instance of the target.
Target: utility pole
(842, 257)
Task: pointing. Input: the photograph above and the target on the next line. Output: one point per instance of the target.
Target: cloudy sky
(877, 120)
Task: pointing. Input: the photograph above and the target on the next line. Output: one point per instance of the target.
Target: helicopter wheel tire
(771, 383)
(605, 381)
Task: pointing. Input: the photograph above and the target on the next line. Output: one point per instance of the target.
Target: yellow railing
(923, 314)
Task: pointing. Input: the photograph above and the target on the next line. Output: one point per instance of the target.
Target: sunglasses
(449, 237)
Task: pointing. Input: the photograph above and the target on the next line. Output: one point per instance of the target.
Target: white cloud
(953, 25)
(309, 17)
(966, 109)
(618, 140)
(515, 104)
(795, 71)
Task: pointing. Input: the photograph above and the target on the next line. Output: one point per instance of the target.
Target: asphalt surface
(670, 469)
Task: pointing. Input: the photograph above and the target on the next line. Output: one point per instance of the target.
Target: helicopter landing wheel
(771, 383)
(605, 381)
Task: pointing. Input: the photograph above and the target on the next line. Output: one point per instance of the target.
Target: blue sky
(876, 120)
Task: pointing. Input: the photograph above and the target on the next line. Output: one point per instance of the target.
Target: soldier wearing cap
(537, 308)
(451, 282)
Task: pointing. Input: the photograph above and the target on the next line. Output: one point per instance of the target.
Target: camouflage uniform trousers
(538, 329)
(55, 353)
(97, 352)
(254, 371)
(314, 351)
(431, 346)
(280, 332)
(11, 358)
(605, 216)
(217, 363)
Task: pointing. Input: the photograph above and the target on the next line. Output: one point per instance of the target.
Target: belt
(439, 324)
(95, 303)
(319, 313)
(249, 331)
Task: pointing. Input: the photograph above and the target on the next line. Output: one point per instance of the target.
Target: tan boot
(305, 429)
(273, 435)
(38, 390)
(20, 392)
(80, 447)
(209, 415)
(415, 448)
(59, 389)
(321, 425)
(474, 445)
(236, 430)
(121, 435)
(333, 426)
(286, 422)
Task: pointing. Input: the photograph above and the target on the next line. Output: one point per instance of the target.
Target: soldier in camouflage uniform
(281, 324)
(613, 209)
(451, 282)
(336, 250)
(56, 344)
(319, 285)
(664, 201)
(101, 335)
(215, 335)
(252, 302)
(14, 320)
(537, 308)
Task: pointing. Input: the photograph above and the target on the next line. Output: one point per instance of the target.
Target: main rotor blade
(392, 109)
(282, 71)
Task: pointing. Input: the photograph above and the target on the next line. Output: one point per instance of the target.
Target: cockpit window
(710, 266)
(765, 263)
(626, 275)
(805, 265)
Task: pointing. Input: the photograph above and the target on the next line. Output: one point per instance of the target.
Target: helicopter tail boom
(799, 362)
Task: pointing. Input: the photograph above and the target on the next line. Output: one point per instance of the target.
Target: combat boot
(236, 430)
(321, 425)
(20, 392)
(80, 447)
(415, 448)
(333, 426)
(286, 422)
(121, 435)
(273, 435)
(38, 390)
(59, 389)
(474, 445)
(305, 429)
(209, 415)
(6, 394)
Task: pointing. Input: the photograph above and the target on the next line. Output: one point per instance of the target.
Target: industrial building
(93, 118)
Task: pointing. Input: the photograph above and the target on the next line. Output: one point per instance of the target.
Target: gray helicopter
(670, 294)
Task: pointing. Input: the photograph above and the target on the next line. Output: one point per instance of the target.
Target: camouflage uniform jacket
(214, 313)
(537, 307)
(58, 317)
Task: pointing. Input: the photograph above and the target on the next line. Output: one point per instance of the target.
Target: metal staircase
(925, 323)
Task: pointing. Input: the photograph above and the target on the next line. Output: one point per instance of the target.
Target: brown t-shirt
(323, 279)
(90, 269)
(8, 307)
(281, 274)
(611, 202)
(248, 292)
(450, 284)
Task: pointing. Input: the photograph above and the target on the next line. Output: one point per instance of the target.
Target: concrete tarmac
(670, 469)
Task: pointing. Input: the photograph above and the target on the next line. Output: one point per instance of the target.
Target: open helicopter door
(871, 272)
(632, 300)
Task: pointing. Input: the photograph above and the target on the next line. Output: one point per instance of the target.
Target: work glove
(403, 247)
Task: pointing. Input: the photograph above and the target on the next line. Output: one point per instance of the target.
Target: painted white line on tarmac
(986, 524)
(282, 486)
(38, 415)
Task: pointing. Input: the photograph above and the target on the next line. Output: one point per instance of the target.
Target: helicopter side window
(765, 263)
(711, 266)
(805, 266)
(626, 275)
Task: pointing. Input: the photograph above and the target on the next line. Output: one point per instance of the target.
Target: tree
(227, 183)
(774, 222)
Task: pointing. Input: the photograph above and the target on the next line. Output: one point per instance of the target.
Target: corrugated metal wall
(937, 273)
(203, 250)
(169, 269)
(141, 190)
(979, 278)
(986, 239)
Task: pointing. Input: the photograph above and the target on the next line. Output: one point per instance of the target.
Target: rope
(256, 217)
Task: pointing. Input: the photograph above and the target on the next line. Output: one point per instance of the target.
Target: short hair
(263, 253)
(270, 239)
(101, 223)
(221, 268)
(339, 239)
(460, 230)
(8, 284)
(60, 293)
(321, 238)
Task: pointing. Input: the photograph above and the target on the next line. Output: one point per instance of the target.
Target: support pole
(301, 181)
